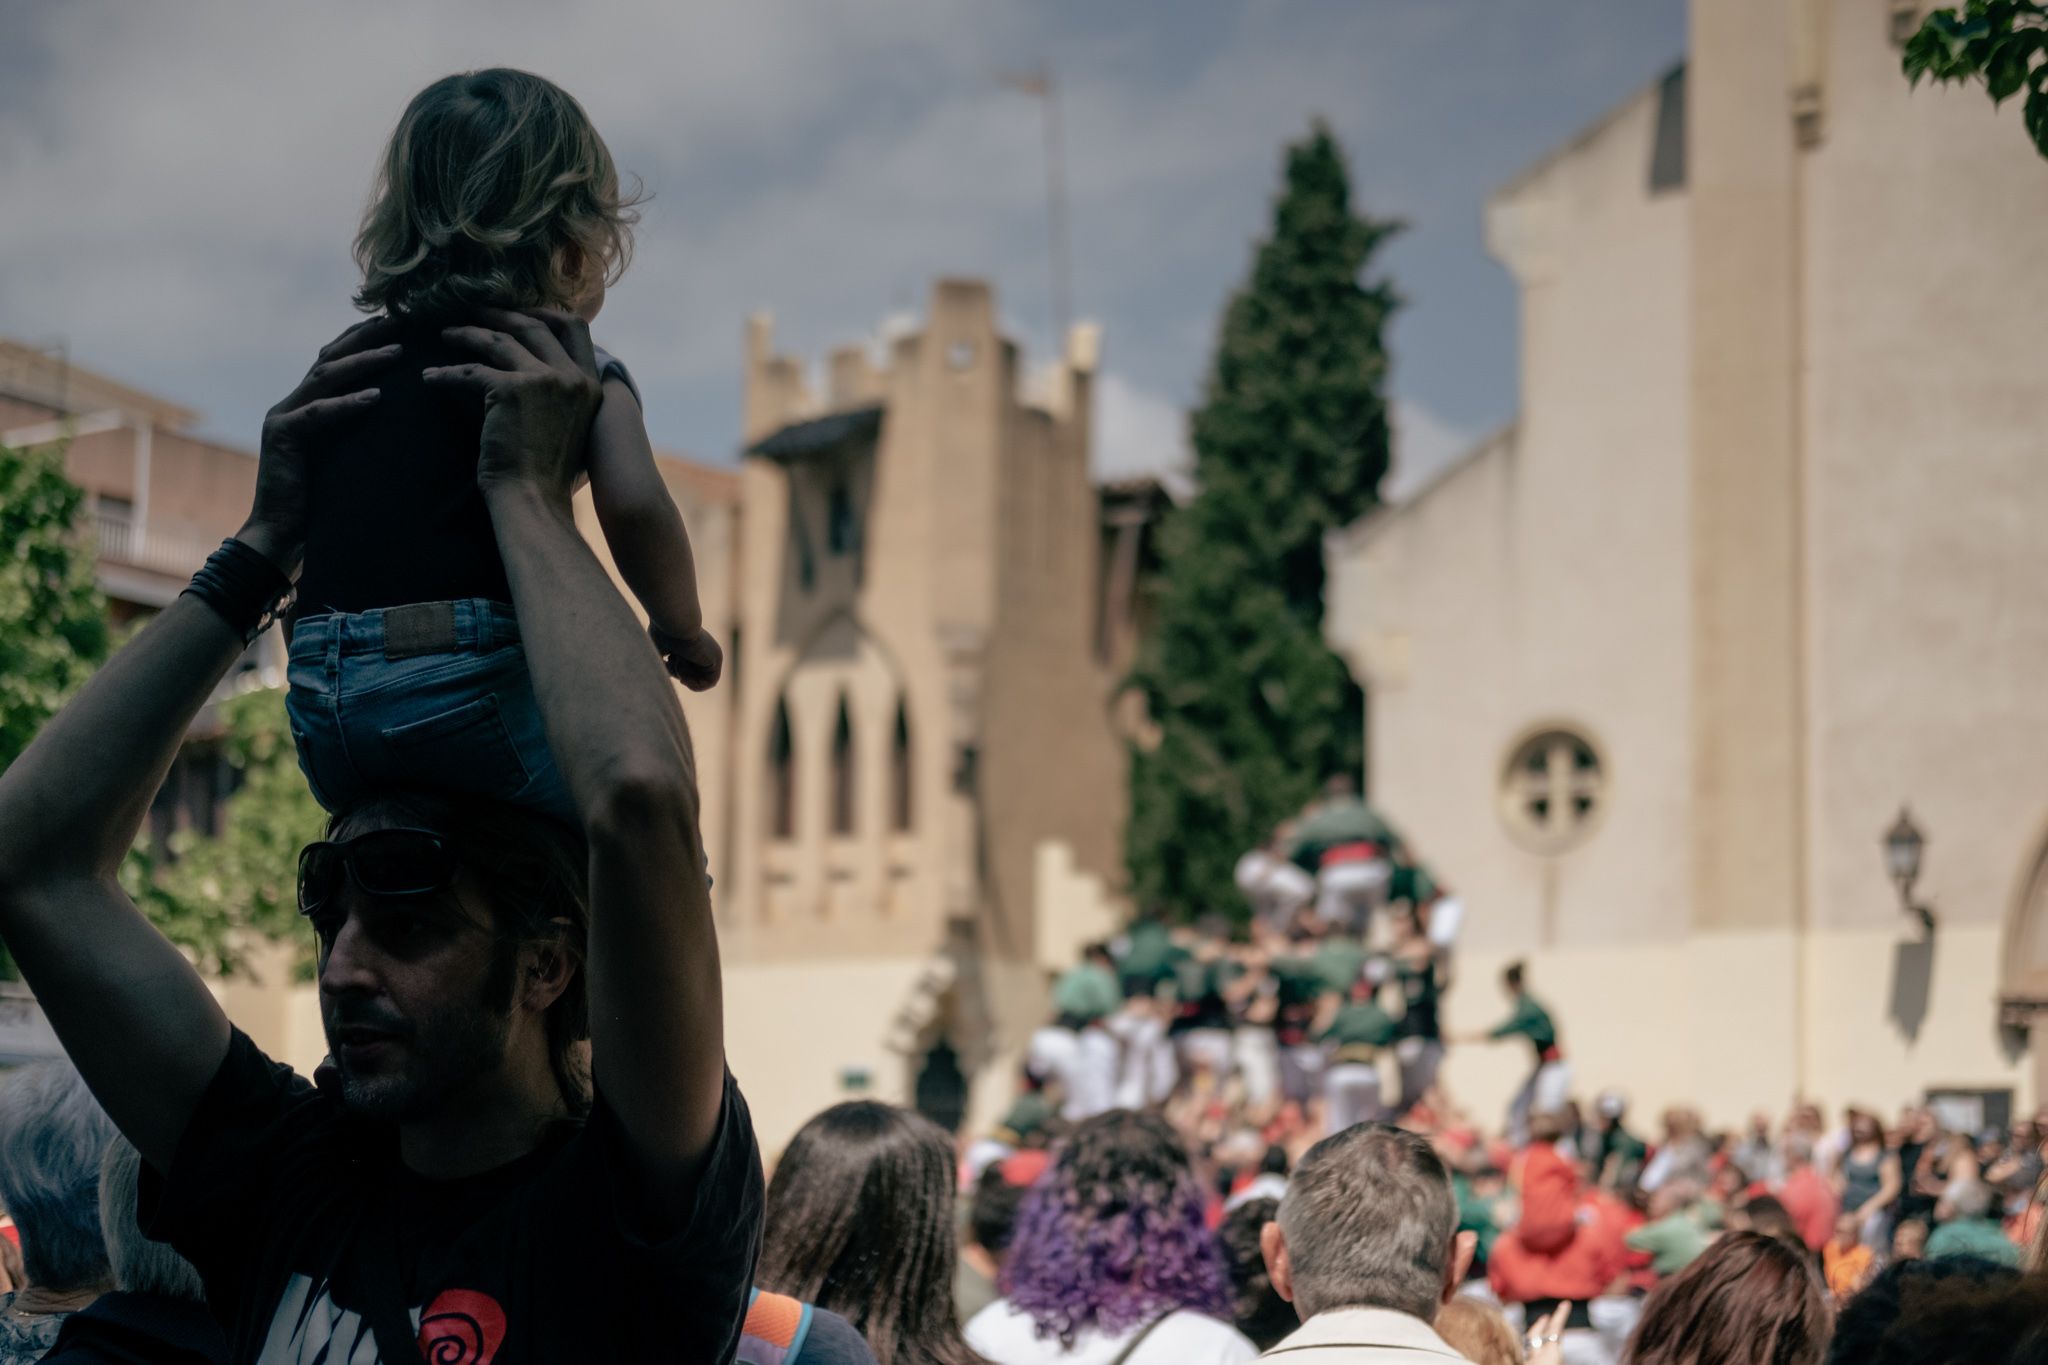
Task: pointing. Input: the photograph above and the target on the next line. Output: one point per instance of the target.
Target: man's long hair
(535, 872)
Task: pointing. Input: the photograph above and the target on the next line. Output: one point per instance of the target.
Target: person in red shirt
(1807, 1196)
(1550, 1255)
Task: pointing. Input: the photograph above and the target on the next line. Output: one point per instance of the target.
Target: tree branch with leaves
(2003, 43)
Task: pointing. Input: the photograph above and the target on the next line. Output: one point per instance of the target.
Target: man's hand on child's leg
(693, 660)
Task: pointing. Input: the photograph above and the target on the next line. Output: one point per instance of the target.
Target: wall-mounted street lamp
(1903, 845)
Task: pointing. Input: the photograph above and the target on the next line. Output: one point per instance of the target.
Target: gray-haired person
(1366, 1247)
(51, 1134)
(157, 1311)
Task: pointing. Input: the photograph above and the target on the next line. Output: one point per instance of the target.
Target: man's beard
(452, 1052)
(443, 1053)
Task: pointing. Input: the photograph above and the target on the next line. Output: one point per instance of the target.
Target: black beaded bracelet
(246, 590)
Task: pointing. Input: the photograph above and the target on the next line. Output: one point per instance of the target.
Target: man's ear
(547, 970)
(1463, 1247)
(1273, 1247)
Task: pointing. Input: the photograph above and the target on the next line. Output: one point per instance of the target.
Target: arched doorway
(2023, 987)
(940, 1090)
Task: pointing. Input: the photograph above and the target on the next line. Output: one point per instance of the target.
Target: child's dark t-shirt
(291, 1211)
(397, 516)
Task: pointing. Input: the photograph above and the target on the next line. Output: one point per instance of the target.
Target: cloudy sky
(181, 181)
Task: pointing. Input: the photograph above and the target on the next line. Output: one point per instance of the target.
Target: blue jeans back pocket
(468, 748)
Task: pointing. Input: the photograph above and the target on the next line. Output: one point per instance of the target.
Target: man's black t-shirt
(293, 1211)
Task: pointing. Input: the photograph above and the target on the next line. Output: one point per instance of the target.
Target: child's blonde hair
(495, 189)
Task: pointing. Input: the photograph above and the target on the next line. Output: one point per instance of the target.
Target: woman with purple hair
(1111, 1262)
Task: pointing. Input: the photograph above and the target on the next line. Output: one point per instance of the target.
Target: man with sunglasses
(472, 1181)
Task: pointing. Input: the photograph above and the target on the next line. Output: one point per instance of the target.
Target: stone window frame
(1576, 768)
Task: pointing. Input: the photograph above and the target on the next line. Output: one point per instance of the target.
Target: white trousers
(1545, 1092)
(1348, 893)
(1258, 1062)
(1351, 1096)
(1421, 1059)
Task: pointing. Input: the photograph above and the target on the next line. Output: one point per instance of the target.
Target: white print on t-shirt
(460, 1327)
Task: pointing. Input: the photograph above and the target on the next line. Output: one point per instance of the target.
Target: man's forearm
(618, 737)
(610, 711)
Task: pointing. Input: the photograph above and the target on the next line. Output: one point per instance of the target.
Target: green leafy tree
(2003, 43)
(217, 896)
(53, 620)
(214, 897)
(1251, 708)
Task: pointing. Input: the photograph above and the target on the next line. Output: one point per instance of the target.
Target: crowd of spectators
(1229, 1141)
(1670, 1241)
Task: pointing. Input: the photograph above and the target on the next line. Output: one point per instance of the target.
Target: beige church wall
(1071, 908)
(1053, 768)
(1546, 581)
(280, 1013)
(1926, 282)
(1019, 1000)
(1743, 500)
(1714, 1021)
(1859, 1055)
(793, 1031)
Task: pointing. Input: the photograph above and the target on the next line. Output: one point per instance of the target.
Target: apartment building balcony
(145, 564)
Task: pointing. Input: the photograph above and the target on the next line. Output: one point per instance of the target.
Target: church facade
(1653, 672)
(913, 789)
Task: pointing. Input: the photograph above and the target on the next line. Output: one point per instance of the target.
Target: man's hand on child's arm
(693, 660)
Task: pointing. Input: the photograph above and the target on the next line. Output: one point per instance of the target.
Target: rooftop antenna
(1038, 84)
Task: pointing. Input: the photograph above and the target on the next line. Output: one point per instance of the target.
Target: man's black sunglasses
(384, 862)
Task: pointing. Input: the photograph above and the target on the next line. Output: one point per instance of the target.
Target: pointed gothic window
(842, 770)
(781, 777)
(900, 808)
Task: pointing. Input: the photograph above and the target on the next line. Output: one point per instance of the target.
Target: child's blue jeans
(429, 696)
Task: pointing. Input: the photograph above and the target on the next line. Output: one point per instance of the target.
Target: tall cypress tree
(1252, 708)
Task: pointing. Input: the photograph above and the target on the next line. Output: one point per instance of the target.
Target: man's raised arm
(656, 1013)
(130, 1010)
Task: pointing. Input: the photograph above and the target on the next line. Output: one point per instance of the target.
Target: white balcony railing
(176, 553)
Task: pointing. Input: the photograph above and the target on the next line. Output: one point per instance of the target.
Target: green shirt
(1529, 1020)
(1087, 992)
(1476, 1216)
(1337, 962)
(1361, 1024)
(1973, 1237)
(1674, 1242)
(1150, 954)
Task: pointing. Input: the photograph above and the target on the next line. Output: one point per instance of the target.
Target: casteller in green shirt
(1337, 962)
(1673, 1242)
(1529, 1020)
(1359, 1031)
(1087, 992)
(1150, 955)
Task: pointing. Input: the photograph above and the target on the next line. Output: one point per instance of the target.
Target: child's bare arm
(641, 525)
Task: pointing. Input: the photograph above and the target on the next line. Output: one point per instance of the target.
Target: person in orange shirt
(1848, 1262)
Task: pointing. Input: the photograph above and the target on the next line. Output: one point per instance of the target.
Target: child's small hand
(695, 661)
